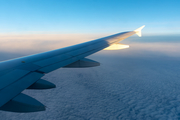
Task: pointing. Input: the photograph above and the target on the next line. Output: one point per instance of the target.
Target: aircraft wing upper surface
(23, 73)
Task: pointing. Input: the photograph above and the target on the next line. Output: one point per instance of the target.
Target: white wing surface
(23, 73)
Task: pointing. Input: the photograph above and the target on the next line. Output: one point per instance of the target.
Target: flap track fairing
(23, 103)
(42, 84)
(83, 63)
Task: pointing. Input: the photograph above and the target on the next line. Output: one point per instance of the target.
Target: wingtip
(138, 30)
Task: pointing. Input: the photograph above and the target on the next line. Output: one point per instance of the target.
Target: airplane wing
(23, 73)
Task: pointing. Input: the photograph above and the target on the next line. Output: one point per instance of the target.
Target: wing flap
(52, 60)
(57, 65)
(87, 48)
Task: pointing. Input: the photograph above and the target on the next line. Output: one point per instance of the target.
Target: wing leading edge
(26, 72)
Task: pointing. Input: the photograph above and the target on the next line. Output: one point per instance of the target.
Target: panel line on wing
(12, 77)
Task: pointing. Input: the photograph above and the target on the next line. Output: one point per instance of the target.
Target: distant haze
(27, 44)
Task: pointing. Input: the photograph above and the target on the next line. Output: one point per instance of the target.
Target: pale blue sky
(89, 16)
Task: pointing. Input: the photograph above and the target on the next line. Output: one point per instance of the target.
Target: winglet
(138, 31)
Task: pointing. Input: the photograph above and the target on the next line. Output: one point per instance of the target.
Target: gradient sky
(89, 16)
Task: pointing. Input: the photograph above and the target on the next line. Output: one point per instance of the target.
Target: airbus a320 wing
(23, 73)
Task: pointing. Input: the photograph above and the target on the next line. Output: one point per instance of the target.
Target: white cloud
(43, 42)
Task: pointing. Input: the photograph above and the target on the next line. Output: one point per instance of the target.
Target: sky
(88, 16)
